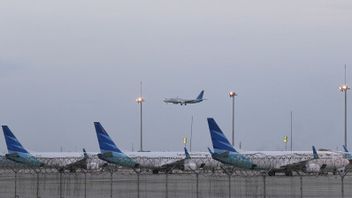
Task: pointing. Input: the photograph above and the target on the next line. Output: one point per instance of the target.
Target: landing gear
(288, 173)
(155, 171)
(271, 173)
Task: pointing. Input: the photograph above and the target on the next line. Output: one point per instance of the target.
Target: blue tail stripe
(13, 145)
(105, 142)
(220, 142)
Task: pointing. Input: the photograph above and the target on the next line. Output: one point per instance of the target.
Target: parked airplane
(185, 101)
(18, 154)
(109, 151)
(155, 161)
(285, 162)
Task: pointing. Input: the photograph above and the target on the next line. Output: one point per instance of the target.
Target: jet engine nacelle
(189, 165)
(312, 168)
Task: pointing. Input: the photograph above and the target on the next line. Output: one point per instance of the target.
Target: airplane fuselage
(24, 158)
(118, 159)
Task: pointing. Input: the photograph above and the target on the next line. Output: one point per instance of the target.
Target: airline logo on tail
(223, 151)
(109, 151)
(16, 152)
(105, 142)
(220, 142)
(13, 145)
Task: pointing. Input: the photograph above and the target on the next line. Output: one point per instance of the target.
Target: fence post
(264, 186)
(166, 185)
(301, 185)
(138, 185)
(229, 185)
(38, 185)
(111, 174)
(60, 185)
(342, 187)
(15, 184)
(197, 185)
(85, 184)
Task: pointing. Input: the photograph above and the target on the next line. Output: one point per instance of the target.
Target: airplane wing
(80, 164)
(298, 166)
(179, 164)
(301, 165)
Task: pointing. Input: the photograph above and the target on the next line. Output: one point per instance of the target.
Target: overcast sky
(65, 64)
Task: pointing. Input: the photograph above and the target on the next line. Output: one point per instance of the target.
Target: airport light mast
(140, 101)
(232, 95)
(344, 88)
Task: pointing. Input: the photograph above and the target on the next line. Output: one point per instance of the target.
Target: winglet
(12, 143)
(187, 154)
(315, 154)
(105, 142)
(345, 148)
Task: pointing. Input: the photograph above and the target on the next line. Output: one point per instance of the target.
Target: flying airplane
(18, 154)
(274, 162)
(155, 161)
(185, 101)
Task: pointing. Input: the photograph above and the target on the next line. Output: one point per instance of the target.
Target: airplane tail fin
(105, 142)
(211, 152)
(13, 145)
(200, 96)
(188, 156)
(315, 153)
(85, 153)
(220, 142)
(345, 148)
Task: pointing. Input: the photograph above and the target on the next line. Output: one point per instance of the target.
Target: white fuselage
(265, 160)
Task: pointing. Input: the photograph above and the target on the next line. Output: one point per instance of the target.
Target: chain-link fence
(99, 179)
(127, 184)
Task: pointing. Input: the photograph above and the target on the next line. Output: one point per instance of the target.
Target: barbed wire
(96, 166)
